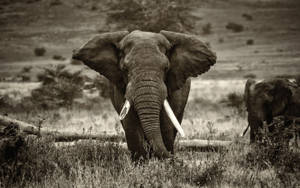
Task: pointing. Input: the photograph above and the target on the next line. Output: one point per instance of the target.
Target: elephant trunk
(148, 99)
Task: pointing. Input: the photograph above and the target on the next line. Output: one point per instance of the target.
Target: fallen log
(71, 137)
(57, 136)
(24, 127)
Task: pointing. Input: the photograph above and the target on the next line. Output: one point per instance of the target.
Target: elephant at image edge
(268, 99)
(148, 72)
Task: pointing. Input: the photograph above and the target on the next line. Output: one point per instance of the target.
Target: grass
(93, 164)
(97, 114)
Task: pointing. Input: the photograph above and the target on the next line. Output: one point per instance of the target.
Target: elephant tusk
(245, 131)
(125, 110)
(173, 118)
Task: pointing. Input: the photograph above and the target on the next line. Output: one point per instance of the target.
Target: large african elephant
(148, 72)
(268, 99)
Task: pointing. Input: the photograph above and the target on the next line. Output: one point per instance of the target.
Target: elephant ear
(101, 54)
(247, 94)
(189, 57)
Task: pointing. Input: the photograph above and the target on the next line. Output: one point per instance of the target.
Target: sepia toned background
(42, 85)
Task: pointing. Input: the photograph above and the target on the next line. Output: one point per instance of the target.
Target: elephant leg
(177, 100)
(252, 136)
(131, 124)
(135, 137)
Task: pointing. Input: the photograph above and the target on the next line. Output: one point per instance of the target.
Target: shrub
(149, 15)
(26, 69)
(250, 75)
(247, 17)
(221, 40)
(24, 74)
(235, 27)
(206, 29)
(235, 101)
(59, 88)
(250, 42)
(39, 51)
(23, 159)
(55, 2)
(59, 58)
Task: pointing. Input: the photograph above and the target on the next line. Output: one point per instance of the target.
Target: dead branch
(57, 136)
(70, 137)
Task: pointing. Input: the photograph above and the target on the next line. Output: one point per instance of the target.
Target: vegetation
(40, 163)
(212, 113)
(250, 75)
(250, 42)
(206, 29)
(237, 102)
(59, 88)
(39, 51)
(149, 15)
(235, 27)
(247, 16)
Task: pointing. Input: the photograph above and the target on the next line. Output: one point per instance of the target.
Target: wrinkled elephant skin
(268, 99)
(147, 70)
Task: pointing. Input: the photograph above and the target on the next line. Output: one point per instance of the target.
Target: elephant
(268, 99)
(148, 72)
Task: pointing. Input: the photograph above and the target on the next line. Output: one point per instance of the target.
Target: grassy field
(204, 109)
(92, 164)
(268, 45)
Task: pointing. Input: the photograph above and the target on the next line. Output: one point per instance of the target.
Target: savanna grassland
(41, 85)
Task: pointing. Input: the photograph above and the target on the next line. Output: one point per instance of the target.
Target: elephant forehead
(137, 37)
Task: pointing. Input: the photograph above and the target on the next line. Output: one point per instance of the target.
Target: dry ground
(60, 28)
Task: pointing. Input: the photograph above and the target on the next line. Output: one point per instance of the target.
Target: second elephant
(268, 99)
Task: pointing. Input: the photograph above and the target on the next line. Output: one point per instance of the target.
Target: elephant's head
(265, 100)
(145, 67)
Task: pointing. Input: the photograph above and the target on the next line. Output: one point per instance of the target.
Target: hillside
(271, 29)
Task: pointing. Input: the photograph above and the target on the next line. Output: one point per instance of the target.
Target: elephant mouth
(126, 107)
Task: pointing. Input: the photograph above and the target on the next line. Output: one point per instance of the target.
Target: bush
(247, 17)
(55, 2)
(149, 15)
(206, 29)
(221, 40)
(23, 159)
(40, 51)
(235, 27)
(250, 75)
(59, 58)
(59, 88)
(26, 69)
(235, 101)
(250, 42)
(32, 160)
